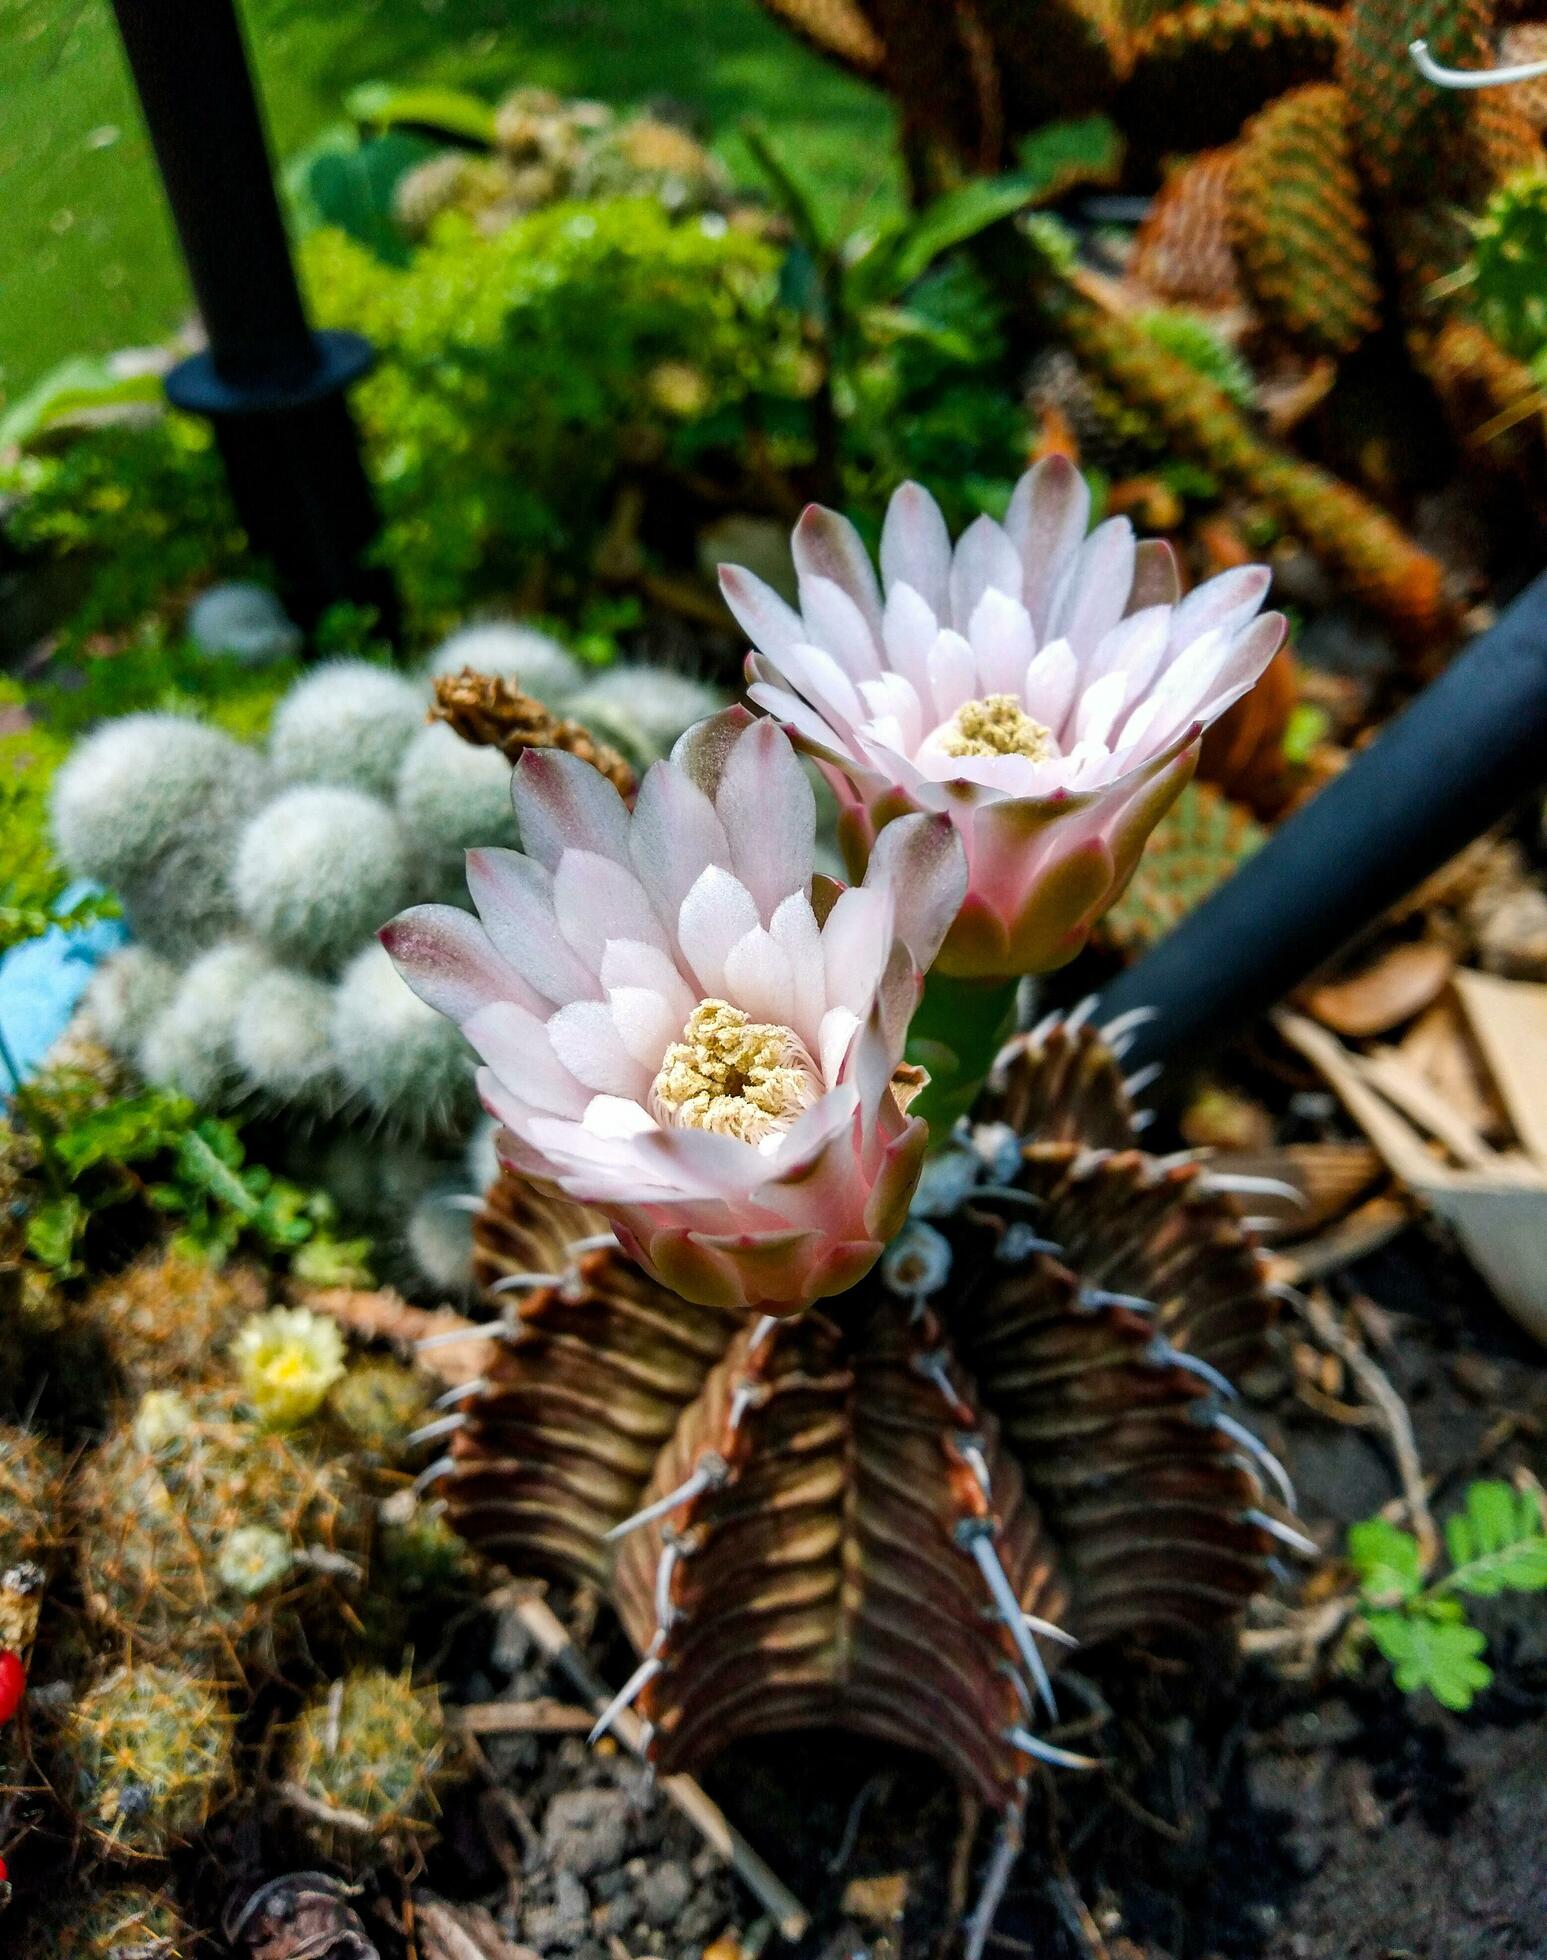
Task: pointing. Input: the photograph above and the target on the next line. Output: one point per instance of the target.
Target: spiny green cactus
(378, 1403)
(318, 870)
(1298, 224)
(149, 1750)
(31, 1479)
(369, 1756)
(123, 1922)
(1402, 123)
(346, 725)
(1200, 842)
(1379, 564)
(154, 1512)
(165, 1319)
(1508, 272)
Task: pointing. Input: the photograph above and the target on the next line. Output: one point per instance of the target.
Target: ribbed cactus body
(825, 1498)
(1199, 71)
(1298, 224)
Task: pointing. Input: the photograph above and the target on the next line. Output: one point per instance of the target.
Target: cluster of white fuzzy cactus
(255, 881)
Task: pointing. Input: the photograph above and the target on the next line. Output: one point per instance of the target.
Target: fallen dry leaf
(1401, 983)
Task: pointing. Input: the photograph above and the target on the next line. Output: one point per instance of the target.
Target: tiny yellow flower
(288, 1359)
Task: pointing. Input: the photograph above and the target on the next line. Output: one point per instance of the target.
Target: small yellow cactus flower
(287, 1360)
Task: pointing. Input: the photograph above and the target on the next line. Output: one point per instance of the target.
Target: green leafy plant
(94, 1152)
(1496, 1543)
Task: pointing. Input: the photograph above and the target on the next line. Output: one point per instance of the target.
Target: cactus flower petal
(1043, 690)
(670, 1032)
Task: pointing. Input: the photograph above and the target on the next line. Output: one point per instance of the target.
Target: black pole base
(292, 456)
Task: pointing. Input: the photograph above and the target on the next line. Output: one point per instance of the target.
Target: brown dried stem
(491, 712)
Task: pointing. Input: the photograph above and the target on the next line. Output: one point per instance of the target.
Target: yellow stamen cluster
(743, 1078)
(998, 725)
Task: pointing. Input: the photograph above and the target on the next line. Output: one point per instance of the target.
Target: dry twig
(491, 712)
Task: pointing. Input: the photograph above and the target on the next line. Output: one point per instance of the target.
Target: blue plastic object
(42, 981)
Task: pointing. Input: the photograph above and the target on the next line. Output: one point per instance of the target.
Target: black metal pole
(273, 388)
(1463, 755)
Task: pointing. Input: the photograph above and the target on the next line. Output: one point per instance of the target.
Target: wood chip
(381, 1316)
(447, 1932)
(542, 1717)
(1382, 996)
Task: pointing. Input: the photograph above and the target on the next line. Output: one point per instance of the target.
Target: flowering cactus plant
(1000, 1431)
(1045, 689)
(681, 1026)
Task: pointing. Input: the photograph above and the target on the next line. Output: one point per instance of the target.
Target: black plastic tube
(1458, 759)
(274, 389)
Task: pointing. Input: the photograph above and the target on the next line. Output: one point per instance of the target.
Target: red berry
(5, 1871)
(13, 1684)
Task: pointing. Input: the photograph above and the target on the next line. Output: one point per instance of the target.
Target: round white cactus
(408, 1065)
(642, 710)
(189, 1044)
(281, 1040)
(537, 664)
(451, 796)
(481, 1157)
(245, 623)
(346, 724)
(127, 992)
(440, 1239)
(150, 805)
(318, 870)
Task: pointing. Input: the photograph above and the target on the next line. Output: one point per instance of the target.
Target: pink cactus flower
(683, 1028)
(1045, 689)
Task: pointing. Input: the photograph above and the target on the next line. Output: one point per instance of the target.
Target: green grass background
(87, 256)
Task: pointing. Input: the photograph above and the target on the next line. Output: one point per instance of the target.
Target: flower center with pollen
(744, 1078)
(996, 725)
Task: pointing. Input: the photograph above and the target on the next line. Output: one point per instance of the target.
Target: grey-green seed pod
(346, 724)
(318, 871)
